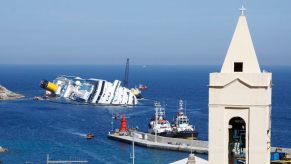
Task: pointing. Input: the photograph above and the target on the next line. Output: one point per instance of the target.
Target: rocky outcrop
(5, 94)
(3, 150)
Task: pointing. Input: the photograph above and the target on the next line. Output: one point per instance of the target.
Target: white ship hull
(94, 91)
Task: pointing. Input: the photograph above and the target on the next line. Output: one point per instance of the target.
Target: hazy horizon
(149, 32)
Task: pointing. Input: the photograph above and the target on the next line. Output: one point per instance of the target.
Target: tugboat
(181, 126)
(158, 124)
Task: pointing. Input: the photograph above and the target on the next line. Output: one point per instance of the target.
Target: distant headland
(5, 94)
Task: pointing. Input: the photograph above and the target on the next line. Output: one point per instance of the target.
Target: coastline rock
(3, 149)
(5, 94)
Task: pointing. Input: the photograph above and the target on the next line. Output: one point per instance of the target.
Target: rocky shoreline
(3, 149)
(5, 94)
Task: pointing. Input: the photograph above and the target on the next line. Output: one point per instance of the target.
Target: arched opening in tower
(237, 141)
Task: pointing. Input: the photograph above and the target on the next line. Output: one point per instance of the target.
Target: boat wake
(79, 134)
(71, 131)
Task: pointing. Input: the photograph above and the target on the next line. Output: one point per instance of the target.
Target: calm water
(32, 129)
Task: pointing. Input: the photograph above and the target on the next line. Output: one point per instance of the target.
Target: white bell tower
(240, 104)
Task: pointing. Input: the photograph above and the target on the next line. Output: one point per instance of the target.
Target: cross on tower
(242, 9)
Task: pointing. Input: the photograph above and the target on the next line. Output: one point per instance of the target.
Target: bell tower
(240, 104)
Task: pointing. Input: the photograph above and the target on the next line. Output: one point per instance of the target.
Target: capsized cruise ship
(95, 91)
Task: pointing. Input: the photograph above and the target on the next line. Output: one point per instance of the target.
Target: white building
(240, 104)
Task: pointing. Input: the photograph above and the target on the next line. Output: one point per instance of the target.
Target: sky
(149, 32)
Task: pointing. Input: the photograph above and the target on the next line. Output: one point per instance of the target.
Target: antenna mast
(126, 73)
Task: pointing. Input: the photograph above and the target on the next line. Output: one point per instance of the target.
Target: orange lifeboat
(162, 121)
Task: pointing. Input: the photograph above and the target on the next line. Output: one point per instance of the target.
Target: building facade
(240, 104)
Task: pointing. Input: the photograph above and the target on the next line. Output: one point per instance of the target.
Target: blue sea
(32, 129)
